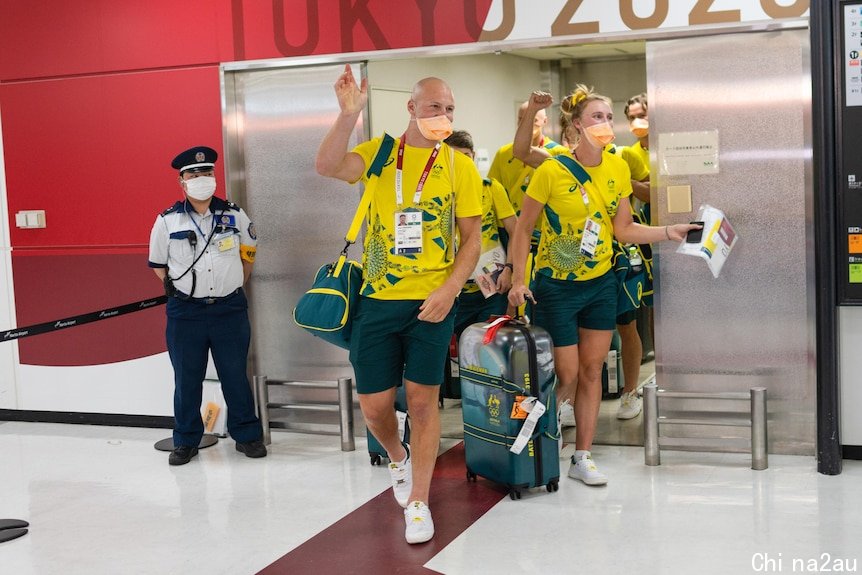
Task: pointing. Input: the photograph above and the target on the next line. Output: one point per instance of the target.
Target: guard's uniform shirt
(218, 272)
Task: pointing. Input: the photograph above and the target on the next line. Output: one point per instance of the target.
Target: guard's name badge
(408, 232)
(226, 244)
(590, 239)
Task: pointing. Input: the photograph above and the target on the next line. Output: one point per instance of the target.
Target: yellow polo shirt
(453, 189)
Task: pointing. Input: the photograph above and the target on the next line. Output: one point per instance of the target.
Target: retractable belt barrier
(77, 320)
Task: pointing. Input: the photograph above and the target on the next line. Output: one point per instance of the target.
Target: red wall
(60, 284)
(94, 151)
(60, 38)
(96, 99)
(51, 38)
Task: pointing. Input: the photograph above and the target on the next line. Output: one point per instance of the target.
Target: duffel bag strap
(372, 174)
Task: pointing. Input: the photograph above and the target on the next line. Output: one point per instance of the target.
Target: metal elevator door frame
(755, 324)
(274, 120)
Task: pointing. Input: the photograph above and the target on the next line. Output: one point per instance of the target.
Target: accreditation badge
(590, 239)
(408, 232)
(226, 244)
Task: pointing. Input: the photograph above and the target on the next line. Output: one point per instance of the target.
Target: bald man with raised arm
(412, 275)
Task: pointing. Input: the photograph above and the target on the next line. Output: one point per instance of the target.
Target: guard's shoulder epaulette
(219, 204)
(172, 209)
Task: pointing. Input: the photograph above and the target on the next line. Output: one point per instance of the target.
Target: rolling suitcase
(504, 368)
(375, 450)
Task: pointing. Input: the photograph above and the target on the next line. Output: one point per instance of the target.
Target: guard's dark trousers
(195, 327)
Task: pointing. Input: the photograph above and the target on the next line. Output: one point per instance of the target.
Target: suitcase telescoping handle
(520, 324)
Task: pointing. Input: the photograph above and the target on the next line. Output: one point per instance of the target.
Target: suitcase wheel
(376, 459)
(471, 476)
(553, 486)
(514, 494)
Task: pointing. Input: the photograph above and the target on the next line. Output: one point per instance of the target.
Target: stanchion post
(652, 455)
(759, 457)
(345, 412)
(262, 400)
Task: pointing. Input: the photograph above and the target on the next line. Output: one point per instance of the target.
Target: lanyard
(399, 162)
(584, 195)
(192, 218)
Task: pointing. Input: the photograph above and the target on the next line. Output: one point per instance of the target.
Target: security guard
(203, 248)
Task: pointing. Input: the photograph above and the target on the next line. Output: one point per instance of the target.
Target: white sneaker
(566, 414)
(402, 479)
(419, 525)
(585, 470)
(630, 406)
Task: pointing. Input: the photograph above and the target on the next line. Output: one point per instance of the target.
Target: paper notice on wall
(716, 242)
(686, 153)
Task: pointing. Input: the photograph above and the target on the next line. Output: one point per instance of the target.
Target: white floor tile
(102, 500)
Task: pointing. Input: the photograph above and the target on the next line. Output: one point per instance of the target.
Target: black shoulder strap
(578, 171)
(382, 155)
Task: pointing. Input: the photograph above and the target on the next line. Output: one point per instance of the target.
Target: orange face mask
(599, 135)
(435, 129)
(639, 127)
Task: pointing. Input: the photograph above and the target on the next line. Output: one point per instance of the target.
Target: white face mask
(201, 188)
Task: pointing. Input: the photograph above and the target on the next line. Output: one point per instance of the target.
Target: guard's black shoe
(254, 448)
(182, 454)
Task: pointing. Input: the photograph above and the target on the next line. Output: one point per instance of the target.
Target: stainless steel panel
(274, 121)
(754, 325)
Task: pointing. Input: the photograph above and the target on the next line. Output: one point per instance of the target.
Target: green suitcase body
(515, 363)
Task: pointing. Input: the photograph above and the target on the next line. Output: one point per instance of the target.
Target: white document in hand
(488, 270)
(717, 240)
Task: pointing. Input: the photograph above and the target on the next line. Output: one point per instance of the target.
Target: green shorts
(388, 343)
(563, 306)
(627, 317)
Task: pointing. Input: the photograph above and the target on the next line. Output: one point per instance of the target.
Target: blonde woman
(583, 207)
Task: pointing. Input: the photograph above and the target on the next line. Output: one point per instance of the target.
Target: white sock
(581, 454)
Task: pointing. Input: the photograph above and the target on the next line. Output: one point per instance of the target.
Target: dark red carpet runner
(371, 539)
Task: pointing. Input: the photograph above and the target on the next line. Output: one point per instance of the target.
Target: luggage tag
(536, 409)
(517, 411)
(408, 232)
(590, 239)
(492, 328)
